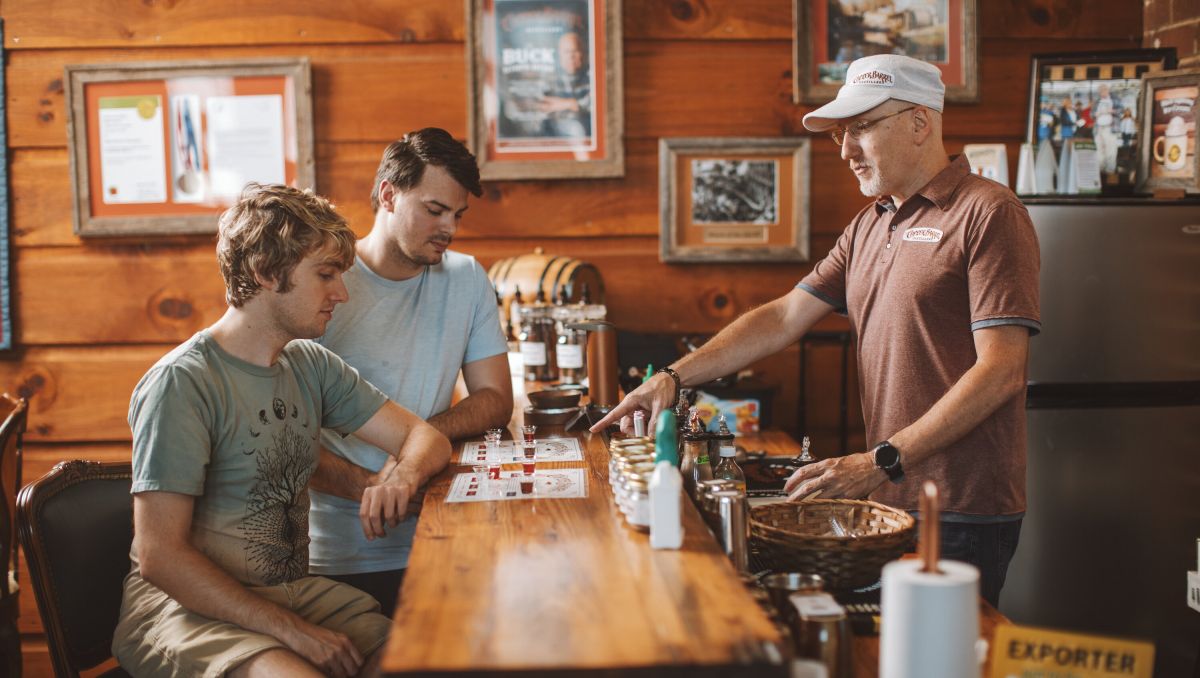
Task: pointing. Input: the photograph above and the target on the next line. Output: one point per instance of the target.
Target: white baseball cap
(872, 80)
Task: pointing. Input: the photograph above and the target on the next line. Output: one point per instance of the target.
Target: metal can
(735, 529)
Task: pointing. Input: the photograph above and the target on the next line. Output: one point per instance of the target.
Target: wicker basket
(846, 541)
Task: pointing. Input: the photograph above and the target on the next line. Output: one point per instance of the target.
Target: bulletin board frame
(162, 148)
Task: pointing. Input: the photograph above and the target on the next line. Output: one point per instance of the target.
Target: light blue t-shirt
(242, 439)
(409, 338)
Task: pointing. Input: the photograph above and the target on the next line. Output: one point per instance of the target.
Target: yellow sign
(1027, 652)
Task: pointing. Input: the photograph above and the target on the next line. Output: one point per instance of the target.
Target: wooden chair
(76, 526)
(14, 412)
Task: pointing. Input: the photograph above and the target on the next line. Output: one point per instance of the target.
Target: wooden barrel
(548, 272)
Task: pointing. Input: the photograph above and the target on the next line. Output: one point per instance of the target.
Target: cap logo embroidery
(874, 77)
(923, 234)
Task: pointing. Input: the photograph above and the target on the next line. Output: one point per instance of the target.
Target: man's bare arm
(420, 451)
(168, 560)
(997, 376)
(489, 402)
(756, 334)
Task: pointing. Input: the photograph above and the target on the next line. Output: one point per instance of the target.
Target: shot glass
(529, 441)
(527, 468)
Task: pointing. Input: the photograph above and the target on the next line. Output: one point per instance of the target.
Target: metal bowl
(555, 398)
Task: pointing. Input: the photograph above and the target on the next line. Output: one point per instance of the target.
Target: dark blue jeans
(989, 547)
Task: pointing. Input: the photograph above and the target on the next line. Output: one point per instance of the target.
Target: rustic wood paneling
(113, 24)
(80, 393)
(354, 92)
(116, 295)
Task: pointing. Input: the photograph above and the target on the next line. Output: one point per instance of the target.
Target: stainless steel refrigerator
(1114, 428)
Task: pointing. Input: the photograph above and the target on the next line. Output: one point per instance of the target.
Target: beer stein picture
(1171, 148)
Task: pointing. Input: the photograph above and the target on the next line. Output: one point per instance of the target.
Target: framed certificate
(163, 148)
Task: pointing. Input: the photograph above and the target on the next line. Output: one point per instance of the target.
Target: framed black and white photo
(734, 199)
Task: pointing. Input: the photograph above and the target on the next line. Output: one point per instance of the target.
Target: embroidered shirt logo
(874, 77)
(923, 234)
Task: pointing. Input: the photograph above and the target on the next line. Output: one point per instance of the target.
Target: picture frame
(6, 313)
(162, 148)
(1170, 107)
(832, 33)
(729, 199)
(545, 96)
(1100, 86)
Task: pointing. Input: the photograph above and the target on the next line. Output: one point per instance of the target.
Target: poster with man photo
(544, 75)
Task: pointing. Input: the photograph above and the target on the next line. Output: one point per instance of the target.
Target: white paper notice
(510, 451)
(1087, 167)
(132, 154)
(558, 483)
(245, 142)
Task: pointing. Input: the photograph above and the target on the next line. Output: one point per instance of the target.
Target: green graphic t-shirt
(242, 439)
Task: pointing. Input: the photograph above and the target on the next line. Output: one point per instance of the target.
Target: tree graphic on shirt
(276, 519)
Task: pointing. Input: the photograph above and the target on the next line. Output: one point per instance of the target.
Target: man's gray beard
(872, 188)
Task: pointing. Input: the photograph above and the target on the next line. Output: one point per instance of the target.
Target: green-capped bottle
(666, 439)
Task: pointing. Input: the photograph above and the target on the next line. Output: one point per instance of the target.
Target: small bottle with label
(536, 328)
(568, 351)
(722, 437)
(728, 469)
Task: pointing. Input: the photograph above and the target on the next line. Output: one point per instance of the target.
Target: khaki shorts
(158, 637)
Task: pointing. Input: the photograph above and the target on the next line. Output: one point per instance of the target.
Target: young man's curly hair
(269, 231)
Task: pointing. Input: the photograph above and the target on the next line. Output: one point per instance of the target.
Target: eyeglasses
(861, 127)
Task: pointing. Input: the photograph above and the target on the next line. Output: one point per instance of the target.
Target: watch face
(886, 456)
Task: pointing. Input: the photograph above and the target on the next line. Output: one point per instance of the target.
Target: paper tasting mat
(510, 451)
(564, 483)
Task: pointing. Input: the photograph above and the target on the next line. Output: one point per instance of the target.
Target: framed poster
(6, 324)
(545, 88)
(1168, 131)
(832, 33)
(163, 148)
(732, 199)
(1093, 96)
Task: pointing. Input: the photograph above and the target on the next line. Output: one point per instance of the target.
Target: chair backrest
(76, 525)
(14, 413)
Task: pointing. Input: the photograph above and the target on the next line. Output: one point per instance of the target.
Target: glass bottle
(723, 436)
(728, 468)
(701, 469)
(568, 351)
(514, 315)
(695, 450)
(537, 333)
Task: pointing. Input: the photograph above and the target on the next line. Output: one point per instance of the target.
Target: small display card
(510, 451)
(558, 483)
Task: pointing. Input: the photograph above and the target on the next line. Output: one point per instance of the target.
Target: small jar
(638, 501)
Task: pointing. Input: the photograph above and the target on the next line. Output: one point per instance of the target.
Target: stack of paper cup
(930, 621)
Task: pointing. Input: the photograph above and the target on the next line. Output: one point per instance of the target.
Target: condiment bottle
(666, 521)
(728, 468)
(717, 440)
(666, 447)
(695, 451)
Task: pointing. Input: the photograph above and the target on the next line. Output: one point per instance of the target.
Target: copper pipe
(930, 532)
(602, 365)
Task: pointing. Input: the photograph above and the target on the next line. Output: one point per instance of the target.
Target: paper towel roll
(930, 621)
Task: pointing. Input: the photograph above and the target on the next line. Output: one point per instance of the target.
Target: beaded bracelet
(674, 377)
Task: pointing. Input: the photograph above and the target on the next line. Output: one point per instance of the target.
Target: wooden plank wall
(91, 316)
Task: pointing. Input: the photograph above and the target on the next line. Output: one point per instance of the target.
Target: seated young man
(225, 437)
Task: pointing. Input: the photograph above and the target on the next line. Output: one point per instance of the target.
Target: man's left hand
(851, 477)
(385, 502)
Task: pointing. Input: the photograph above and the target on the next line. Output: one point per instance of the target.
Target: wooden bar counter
(564, 585)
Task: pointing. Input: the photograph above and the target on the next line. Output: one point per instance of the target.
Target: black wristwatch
(887, 457)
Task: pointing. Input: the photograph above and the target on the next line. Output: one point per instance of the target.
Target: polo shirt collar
(940, 189)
